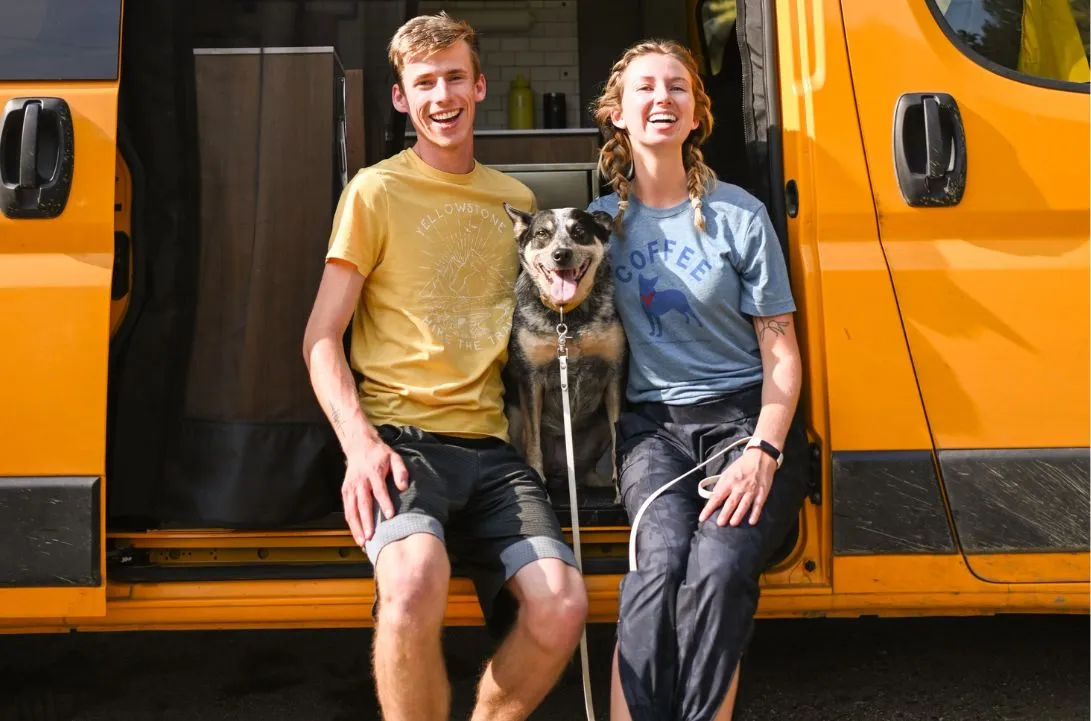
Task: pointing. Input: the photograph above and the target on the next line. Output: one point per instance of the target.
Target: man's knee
(555, 611)
(412, 577)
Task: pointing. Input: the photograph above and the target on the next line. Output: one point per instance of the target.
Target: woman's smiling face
(657, 102)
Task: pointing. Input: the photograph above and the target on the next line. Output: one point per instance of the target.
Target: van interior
(240, 121)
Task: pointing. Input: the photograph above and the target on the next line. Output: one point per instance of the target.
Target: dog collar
(558, 308)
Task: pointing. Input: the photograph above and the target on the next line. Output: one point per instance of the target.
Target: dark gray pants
(686, 614)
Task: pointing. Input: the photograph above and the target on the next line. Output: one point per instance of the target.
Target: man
(422, 252)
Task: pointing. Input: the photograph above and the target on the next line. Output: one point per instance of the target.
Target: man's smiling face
(439, 93)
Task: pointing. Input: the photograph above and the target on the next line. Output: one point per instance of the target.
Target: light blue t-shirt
(686, 298)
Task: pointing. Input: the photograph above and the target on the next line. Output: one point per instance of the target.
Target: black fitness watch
(768, 448)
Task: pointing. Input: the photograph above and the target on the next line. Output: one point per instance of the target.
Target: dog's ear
(519, 220)
(604, 225)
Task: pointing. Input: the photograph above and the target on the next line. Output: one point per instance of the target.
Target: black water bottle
(553, 110)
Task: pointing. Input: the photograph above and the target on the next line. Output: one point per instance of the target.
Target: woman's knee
(662, 554)
(412, 577)
(725, 559)
(663, 540)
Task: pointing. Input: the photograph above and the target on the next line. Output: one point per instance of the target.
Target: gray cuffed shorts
(483, 501)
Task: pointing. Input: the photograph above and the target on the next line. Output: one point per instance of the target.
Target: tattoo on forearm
(768, 325)
(338, 423)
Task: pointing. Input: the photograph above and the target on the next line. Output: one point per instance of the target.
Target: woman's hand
(742, 488)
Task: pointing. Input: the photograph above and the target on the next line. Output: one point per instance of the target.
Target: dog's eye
(542, 234)
(580, 235)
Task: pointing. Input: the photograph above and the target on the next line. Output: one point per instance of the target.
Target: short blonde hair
(425, 35)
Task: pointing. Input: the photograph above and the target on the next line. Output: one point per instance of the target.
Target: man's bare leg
(412, 576)
(552, 611)
(619, 709)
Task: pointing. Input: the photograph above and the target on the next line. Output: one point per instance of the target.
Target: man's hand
(743, 487)
(365, 484)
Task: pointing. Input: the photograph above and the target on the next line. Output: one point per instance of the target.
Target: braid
(699, 178)
(614, 161)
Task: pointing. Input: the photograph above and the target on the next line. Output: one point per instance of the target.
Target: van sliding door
(975, 125)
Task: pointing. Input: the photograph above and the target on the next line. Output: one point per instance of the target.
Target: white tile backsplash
(539, 74)
(546, 54)
(513, 44)
(530, 59)
(489, 45)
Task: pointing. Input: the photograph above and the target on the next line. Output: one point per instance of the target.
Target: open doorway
(240, 122)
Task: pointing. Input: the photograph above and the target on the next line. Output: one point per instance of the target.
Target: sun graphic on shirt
(469, 299)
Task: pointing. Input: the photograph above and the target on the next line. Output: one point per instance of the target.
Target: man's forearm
(335, 389)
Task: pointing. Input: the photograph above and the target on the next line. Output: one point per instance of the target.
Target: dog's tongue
(563, 287)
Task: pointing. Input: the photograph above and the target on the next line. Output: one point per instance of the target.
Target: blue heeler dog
(565, 266)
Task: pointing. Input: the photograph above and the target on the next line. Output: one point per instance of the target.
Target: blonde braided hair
(616, 155)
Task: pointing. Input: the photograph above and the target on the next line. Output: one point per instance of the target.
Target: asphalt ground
(951, 669)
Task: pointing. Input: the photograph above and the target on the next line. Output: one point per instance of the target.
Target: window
(1045, 39)
(59, 40)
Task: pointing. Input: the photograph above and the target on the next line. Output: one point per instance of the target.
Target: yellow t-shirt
(430, 333)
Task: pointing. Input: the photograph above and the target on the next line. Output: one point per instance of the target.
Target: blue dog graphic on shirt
(658, 302)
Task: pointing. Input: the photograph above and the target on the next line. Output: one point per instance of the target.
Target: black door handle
(28, 149)
(37, 156)
(929, 149)
(933, 137)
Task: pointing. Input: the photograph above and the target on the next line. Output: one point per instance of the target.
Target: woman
(703, 293)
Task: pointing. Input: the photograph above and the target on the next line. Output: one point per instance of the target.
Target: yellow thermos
(520, 104)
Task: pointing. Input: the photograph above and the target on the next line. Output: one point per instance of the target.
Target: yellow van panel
(54, 330)
(55, 305)
(993, 292)
(858, 366)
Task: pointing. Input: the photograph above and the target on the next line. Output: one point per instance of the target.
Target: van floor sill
(137, 573)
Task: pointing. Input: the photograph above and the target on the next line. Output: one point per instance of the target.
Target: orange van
(167, 178)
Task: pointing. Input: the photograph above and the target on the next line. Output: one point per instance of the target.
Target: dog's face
(561, 249)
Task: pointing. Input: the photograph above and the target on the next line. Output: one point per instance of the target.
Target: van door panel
(55, 276)
(992, 290)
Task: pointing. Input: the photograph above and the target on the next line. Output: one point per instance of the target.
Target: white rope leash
(562, 357)
(704, 489)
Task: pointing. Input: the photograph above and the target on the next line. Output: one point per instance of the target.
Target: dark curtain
(237, 165)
